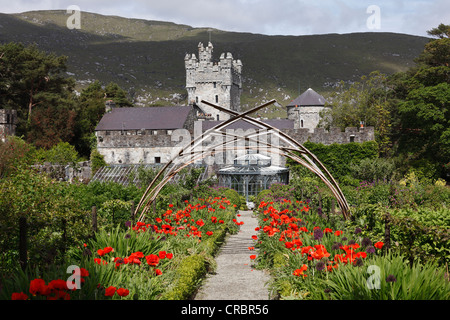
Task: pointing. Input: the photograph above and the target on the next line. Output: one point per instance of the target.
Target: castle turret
(216, 82)
(305, 109)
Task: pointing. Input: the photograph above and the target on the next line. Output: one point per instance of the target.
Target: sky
(270, 17)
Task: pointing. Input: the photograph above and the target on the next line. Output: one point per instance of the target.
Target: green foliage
(97, 161)
(14, 153)
(188, 274)
(421, 281)
(62, 153)
(55, 219)
(233, 196)
(338, 157)
(373, 169)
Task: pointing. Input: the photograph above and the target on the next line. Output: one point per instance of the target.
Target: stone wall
(82, 171)
(133, 147)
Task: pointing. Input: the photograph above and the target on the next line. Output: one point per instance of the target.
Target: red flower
(379, 245)
(209, 233)
(19, 296)
(108, 250)
(253, 257)
(152, 260)
(123, 292)
(158, 272)
(109, 292)
(37, 286)
(58, 284)
(338, 233)
(299, 272)
(162, 254)
(169, 255)
(200, 223)
(100, 252)
(254, 237)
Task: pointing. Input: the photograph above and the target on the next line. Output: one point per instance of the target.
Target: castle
(152, 135)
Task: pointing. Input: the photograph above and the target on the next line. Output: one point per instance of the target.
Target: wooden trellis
(195, 151)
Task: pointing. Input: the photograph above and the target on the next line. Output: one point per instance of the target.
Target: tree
(33, 83)
(422, 97)
(91, 108)
(364, 102)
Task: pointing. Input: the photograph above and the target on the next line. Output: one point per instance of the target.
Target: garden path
(234, 277)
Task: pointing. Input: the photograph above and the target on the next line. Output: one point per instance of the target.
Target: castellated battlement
(334, 135)
(218, 82)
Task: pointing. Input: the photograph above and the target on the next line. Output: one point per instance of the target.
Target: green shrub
(262, 194)
(233, 196)
(187, 279)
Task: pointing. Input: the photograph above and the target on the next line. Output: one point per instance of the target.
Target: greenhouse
(252, 173)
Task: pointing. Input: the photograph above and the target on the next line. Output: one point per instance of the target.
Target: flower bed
(164, 257)
(311, 256)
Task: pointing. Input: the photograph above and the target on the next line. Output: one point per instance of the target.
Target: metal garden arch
(195, 152)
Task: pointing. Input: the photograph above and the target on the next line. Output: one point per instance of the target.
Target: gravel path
(235, 278)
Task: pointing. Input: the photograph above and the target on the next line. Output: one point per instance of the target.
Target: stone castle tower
(216, 82)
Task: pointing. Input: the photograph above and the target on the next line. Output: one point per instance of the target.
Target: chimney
(109, 105)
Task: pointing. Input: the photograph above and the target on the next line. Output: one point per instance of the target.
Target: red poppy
(253, 257)
(152, 260)
(109, 292)
(169, 255)
(37, 286)
(108, 250)
(123, 292)
(58, 284)
(379, 245)
(100, 252)
(254, 237)
(200, 223)
(338, 233)
(19, 296)
(158, 272)
(162, 254)
(209, 233)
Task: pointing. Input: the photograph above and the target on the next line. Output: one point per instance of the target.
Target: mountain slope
(147, 57)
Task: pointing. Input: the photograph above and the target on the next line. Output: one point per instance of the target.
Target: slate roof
(241, 124)
(308, 98)
(152, 118)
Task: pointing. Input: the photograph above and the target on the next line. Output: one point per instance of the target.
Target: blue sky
(282, 17)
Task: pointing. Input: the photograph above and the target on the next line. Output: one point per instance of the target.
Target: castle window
(217, 99)
(217, 117)
(196, 99)
(215, 85)
(301, 123)
(169, 132)
(157, 159)
(352, 138)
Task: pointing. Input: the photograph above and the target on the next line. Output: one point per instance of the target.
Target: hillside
(147, 57)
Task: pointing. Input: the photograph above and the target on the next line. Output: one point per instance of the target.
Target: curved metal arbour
(196, 152)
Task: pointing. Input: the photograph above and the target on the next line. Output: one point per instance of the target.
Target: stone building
(8, 120)
(217, 82)
(144, 134)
